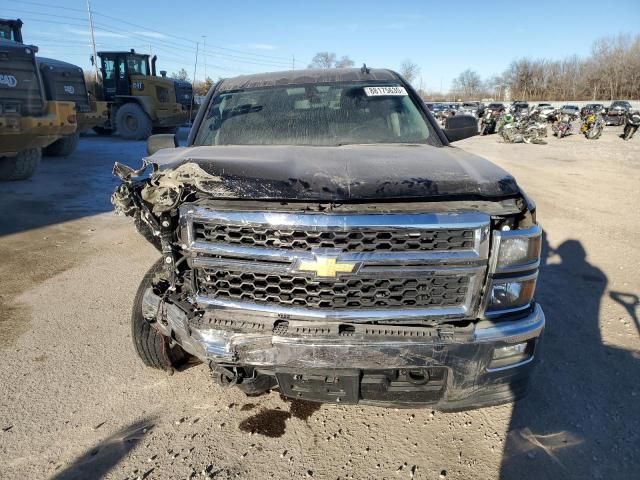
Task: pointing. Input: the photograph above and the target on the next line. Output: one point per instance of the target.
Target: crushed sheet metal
(164, 187)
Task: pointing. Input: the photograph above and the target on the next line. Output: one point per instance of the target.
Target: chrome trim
(327, 221)
(363, 271)
(324, 221)
(283, 255)
(277, 311)
(513, 331)
(318, 351)
(513, 365)
(471, 262)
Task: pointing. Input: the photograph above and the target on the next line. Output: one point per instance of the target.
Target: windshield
(322, 115)
(137, 65)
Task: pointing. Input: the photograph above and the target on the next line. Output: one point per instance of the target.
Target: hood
(332, 174)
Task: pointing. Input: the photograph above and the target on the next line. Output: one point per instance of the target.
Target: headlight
(514, 270)
(511, 294)
(518, 249)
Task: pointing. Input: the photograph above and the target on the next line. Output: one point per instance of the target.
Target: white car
(545, 110)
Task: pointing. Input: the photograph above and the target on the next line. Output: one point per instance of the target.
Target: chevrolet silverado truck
(319, 235)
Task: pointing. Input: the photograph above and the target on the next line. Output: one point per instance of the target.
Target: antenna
(93, 40)
(365, 69)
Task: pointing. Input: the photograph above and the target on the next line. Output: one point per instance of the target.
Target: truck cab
(11, 30)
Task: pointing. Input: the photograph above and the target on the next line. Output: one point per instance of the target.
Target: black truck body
(396, 273)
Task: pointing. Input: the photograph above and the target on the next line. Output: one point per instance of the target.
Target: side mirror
(460, 127)
(158, 142)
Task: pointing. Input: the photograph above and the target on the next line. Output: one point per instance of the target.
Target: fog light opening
(510, 355)
(417, 377)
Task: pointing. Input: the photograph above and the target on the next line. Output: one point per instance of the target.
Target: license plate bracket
(327, 386)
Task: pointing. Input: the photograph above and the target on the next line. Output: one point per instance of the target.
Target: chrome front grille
(353, 291)
(351, 266)
(362, 240)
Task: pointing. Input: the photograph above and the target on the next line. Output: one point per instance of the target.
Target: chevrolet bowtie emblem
(326, 266)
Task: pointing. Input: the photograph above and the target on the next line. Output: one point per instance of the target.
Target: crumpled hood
(334, 174)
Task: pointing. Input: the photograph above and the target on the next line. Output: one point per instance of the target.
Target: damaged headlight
(518, 249)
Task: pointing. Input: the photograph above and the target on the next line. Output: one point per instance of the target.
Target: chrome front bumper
(466, 356)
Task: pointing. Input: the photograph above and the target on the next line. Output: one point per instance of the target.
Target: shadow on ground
(102, 457)
(65, 189)
(582, 416)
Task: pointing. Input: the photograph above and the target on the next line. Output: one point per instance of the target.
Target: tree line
(611, 71)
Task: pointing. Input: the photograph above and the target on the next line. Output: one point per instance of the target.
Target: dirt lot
(75, 402)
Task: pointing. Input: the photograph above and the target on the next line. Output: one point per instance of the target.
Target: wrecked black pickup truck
(319, 235)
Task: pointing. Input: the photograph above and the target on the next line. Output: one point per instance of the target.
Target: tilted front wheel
(155, 349)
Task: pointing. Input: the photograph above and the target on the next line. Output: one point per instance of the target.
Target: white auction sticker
(384, 91)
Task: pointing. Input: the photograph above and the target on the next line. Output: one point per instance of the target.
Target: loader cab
(117, 69)
(11, 30)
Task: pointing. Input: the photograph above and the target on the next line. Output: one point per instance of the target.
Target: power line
(57, 7)
(268, 58)
(162, 45)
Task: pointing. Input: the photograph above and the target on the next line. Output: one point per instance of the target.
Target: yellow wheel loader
(139, 102)
(28, 121)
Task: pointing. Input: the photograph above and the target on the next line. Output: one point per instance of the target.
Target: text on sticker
(384, 91)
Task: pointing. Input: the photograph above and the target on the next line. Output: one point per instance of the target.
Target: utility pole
(204, 54)
(293, 62)
(93, 41)
(195, 69)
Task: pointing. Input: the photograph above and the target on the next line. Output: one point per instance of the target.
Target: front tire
(628, 132)
(20, 167)
(63, 147)
(132, 122)
(153, 348)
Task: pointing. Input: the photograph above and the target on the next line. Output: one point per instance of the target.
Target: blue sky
(443, 38)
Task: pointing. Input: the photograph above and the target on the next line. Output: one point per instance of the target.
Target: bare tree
(323, 60)
(611, 71)
(181, 75)
(202, 88)
(467, 85)
(409, 70)
(330, 60)
(344, 62)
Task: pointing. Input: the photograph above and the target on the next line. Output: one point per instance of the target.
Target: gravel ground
(75, 401)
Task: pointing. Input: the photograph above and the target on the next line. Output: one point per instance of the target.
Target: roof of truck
(297, 77)
(57, 63)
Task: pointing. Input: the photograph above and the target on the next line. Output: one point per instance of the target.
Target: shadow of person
(582, 416)
(102, 457)
(631, 303)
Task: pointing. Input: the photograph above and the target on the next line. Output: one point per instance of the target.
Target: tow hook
(226, 376)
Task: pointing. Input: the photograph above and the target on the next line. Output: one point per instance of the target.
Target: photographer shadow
(581, 418)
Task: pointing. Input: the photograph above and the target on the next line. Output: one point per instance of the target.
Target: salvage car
(319, 234)
(616, 113)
